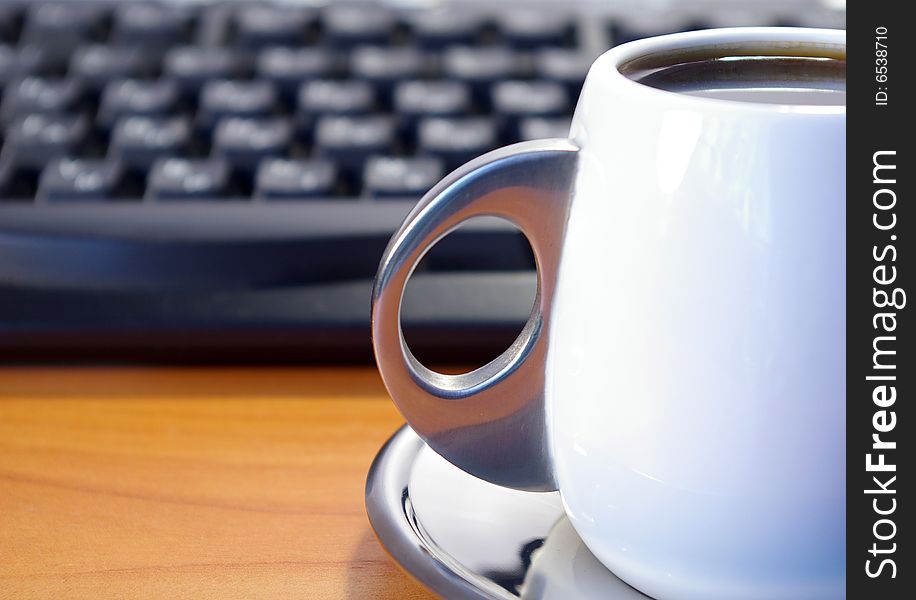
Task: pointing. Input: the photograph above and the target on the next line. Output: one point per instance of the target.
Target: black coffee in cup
(746, 76)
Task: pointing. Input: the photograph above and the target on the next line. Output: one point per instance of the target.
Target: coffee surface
(812, 81)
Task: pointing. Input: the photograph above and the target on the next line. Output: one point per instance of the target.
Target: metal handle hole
(484, 273)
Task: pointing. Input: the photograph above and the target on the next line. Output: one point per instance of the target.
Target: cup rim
(804, 39)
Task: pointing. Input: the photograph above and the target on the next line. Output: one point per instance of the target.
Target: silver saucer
(462, 537)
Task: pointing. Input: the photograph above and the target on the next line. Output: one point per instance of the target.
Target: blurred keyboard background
(216, 181)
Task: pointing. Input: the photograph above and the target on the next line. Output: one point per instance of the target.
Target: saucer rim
(390, 515)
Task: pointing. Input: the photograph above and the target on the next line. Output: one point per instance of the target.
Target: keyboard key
(531, 27)
(39, 95)
(139, 141)
(456, 141)
(734, 17)
(529, 98)
(566, 67)
(150, 23)
(283, 179)
(192, 67)
(385, 66)
(639, 24)
(350, 140)
(512, 100)
(258, 26)
(401, 177)
(244, 142)
(64, 23)
(416, 99)
(183, 179)
(36, 139)
(347, 25)
(288, 68)
(220, 99)
(539, 128)
(446, 26)
(823, 18)
(137, 97)
(23, 61)
(69, 179)
(97, 65)
(328, 97)
(482, 67)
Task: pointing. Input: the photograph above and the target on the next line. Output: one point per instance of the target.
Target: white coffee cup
(681, 380)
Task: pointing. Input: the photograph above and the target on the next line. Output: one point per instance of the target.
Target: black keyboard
(191, 181)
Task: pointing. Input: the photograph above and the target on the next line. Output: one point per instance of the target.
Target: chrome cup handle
(489, 422)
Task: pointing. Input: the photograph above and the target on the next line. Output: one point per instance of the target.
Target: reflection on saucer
(565, 568)
(489, 530)
(464, 537)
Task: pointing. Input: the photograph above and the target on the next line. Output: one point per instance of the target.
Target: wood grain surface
(192, 483)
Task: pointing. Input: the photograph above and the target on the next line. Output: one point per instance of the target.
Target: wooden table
(194, 483)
